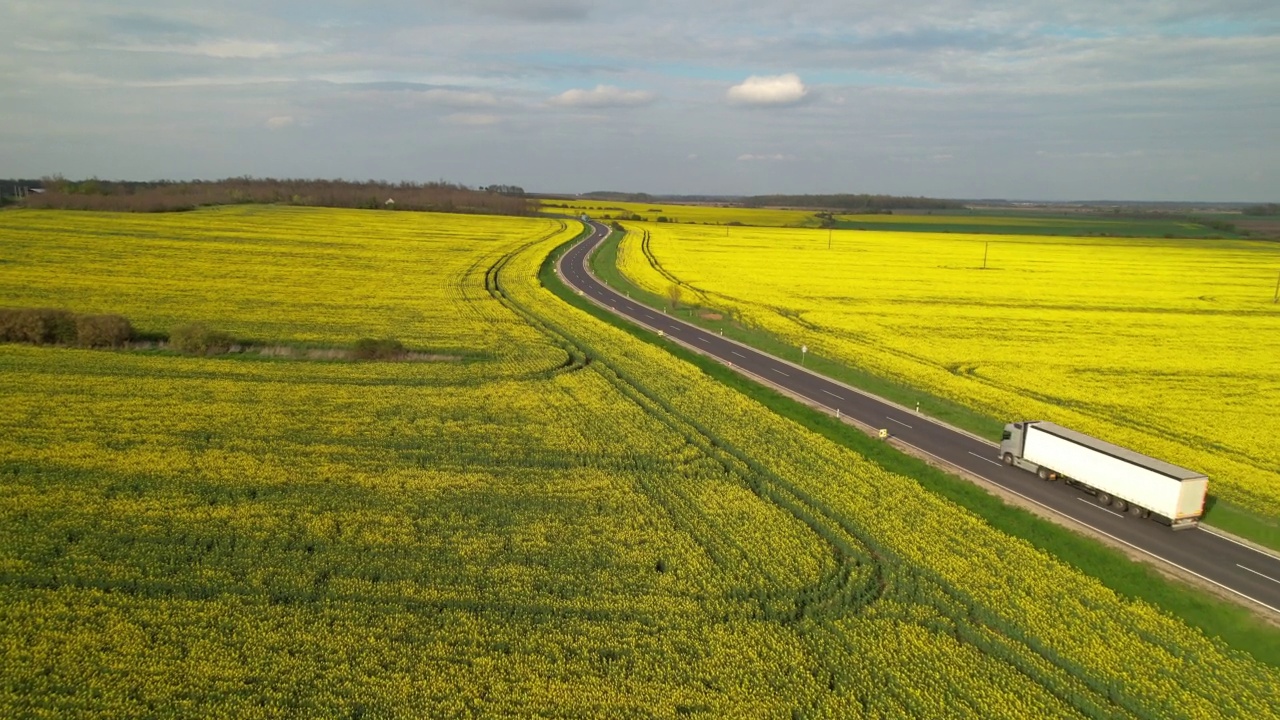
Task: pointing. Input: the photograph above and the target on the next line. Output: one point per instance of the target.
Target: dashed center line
(986, 459)
(779, 372)
(891, 419)
(833, 394)
(1093, 504)
(1255, 572)
(735, 352)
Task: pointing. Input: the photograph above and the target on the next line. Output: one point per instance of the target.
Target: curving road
(1249, 574)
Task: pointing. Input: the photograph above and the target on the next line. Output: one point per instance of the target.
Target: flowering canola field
(567, 523)
(1171, 347)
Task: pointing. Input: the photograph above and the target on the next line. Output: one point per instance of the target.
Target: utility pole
(828, 238)
(985, 250)
(1276, 300)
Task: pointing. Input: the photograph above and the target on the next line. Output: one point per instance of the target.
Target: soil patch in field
(290, 352)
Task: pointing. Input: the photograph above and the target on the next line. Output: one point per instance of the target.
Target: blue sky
(1145, 99)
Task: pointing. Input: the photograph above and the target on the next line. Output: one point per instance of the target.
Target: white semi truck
(1118, 477)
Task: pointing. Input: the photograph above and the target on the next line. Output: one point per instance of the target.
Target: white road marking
(833, 394)
(1094, 504)
(779, 372)
(902, 424)
(1233, 540)
(1255, 572)
(702, 339)
(735, 352)
(993, 462)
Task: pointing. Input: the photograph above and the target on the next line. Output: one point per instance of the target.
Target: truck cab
(1011, 442)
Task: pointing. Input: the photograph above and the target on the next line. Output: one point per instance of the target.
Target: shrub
(378, 349)
(199, 339)
(103, 330)
(40, 326)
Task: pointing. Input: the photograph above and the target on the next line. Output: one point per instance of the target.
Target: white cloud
(769, 90)
(280, 121)
(775, 157)
(603, 96)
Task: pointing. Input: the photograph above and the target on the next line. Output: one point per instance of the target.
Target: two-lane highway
(1243, 571)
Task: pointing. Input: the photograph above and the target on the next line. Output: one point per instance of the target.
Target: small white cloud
(775, 157)
(280, 121)
(603, 96)
(692, 156)
(472, 119)
(769, 90)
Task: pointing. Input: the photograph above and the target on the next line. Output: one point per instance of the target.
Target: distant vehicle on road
(1117, 477)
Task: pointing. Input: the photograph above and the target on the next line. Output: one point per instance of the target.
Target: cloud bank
(1032, 99)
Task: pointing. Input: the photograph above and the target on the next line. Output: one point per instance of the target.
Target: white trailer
(1126, 480)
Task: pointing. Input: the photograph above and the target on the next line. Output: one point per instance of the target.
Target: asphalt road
(1250, 574)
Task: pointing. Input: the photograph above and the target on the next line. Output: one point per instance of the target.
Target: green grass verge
(1239, 521)
(1234, 625)
(1245, 523)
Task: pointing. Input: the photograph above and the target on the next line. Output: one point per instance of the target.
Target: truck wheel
(1008, 458)
(1103, 498)
(1122, 505)
(1043, 472)
(1138, 512)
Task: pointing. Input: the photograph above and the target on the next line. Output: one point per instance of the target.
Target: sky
(1033, 99)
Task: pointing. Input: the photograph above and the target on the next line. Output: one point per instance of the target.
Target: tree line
(170, 195)
(853, 202)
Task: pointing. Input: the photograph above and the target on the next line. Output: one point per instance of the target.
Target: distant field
(570, 522)
(696, 214)
(1011, 224)
(1170, 347)
(963, 222)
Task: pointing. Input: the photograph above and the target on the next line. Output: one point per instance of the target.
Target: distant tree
(674, 295)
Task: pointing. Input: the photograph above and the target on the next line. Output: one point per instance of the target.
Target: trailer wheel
(1139, 512)
(1122, 505)
(1103, 498)
(1043, 472)
(1008, 458)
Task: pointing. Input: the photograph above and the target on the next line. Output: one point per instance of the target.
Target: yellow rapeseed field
(568, 522)
(1167, 346)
